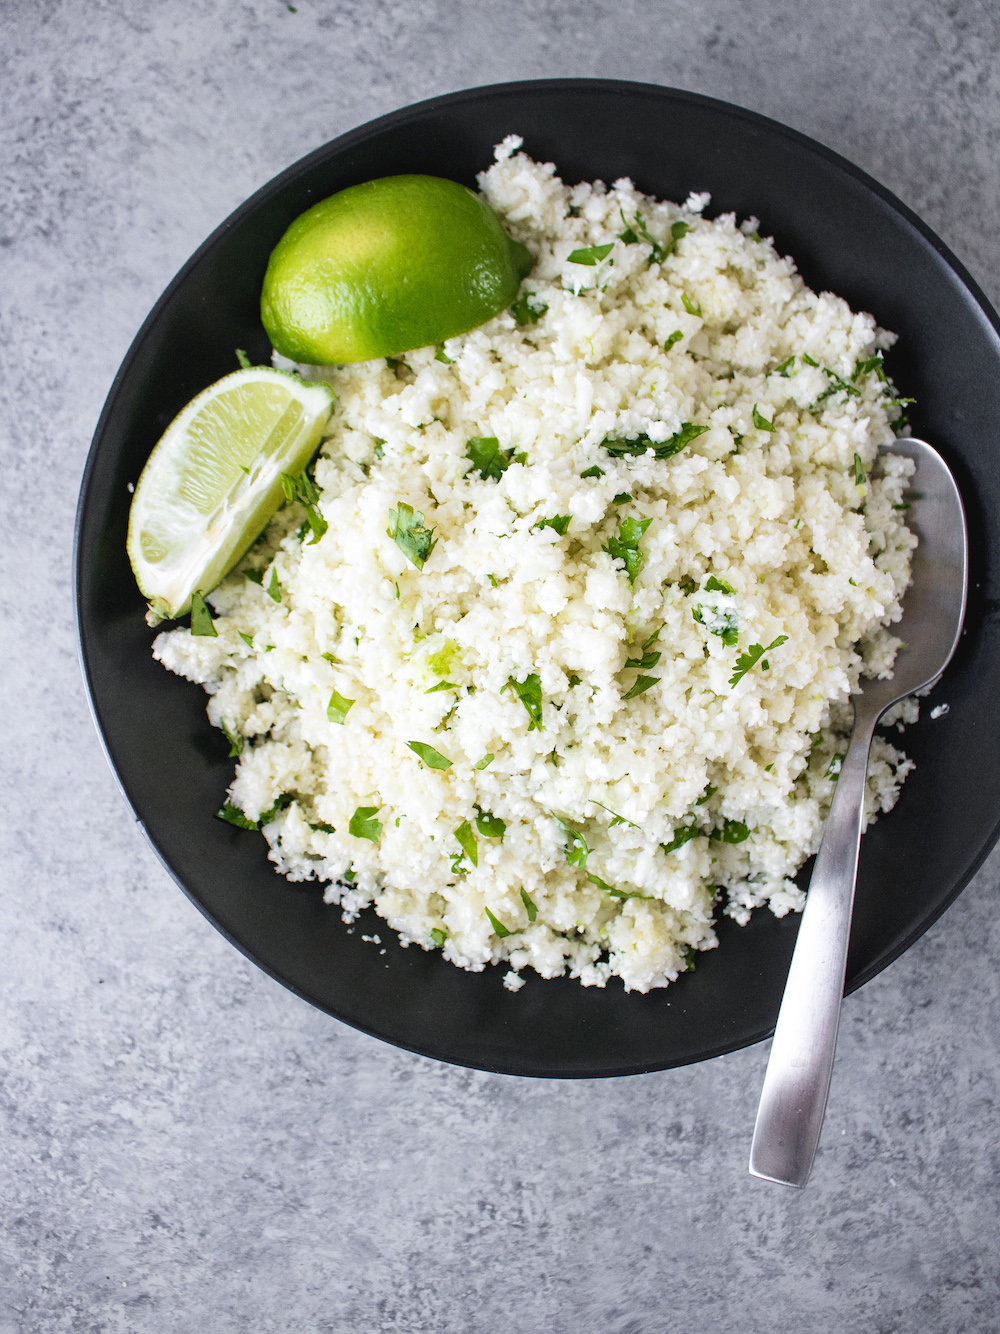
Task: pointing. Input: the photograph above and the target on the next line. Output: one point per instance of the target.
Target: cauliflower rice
(569, 655)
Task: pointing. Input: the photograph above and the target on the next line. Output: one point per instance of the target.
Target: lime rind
(214, 480)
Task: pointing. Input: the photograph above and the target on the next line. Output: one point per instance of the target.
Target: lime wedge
(214, 480)
(383, 267)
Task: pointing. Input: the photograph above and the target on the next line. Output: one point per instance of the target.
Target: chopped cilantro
(573, 680)
(835, 765)
(236, 742)
(675, 337)
(682, 834)
(529, 692)
(431, 757)
(687, 585)
(692, 307)
(639, 231)
(490, 826)
(530, 907)
(594, 471)
(690, 959)
(622, 498)
(274, 588)
(617, 893)
(488, 758)
(717, 585)
(378, 448)
(732, 831)
(487, 457)
(321, 827)
(576, 850)
(338, 708)
(234, 816)
(497, 925)
(652, 638)
(723, 623)
(467, 842)
(809, 360)
(493, 580)
(647, 660)
(625, 545)
(860, 476)
(618, 819)
(406, 528)
(438, 936)
(868, 365)
(560, 523)
(642, 684)
(304, 490)
(524, 312)
(761, 422)
(247, 639)
(441, 355)
(785, 369)
(243, 359)
(201, 618)
(255, 576)
(442, 685)
(619, 449)
(280, 804)
(591, 254)
(364, 825)
(752, 656)
(710, 792)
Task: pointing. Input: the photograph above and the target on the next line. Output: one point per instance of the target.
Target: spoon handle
(797, 1082)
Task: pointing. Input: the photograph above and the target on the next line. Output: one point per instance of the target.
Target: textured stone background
(186, 1146)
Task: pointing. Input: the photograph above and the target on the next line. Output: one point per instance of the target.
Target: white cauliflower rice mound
(769, 501)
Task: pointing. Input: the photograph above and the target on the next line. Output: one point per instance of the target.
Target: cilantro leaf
(560, 523)
(732, 831)
(576, 850)
(594, 471)
(406, 528)
(647, 660)
(761, 422)
(280, 804)
(752, 656)
(497, 925)
(438, 936)
(244, 361)
(529, 692)
(682, 834)
(619, 449)
(835, 765)
(338, 708)
(617, 893)
(692, 307)
(442, 685)
(651, 639)
(716, 585)
(378, 448)
(622, 498)
(868, 365)
(642, 684)
(488, 758)
(524, 312)
(364, 825)
(441, 355)
(838, 385)
(236, 743)
(530, 907)
(247, 639)
(625, 545)
(467, 842)
(255, 576)
(723, 623)
(675, 337)
(201, 618)
(710, 792)
(590, 255)
(860, 476)
(322, 827)
(810, 361)
(490, 826)
(487, 457)
(273, 589)
(785, 369)
(304, 490)
(618, 819)
(234, 816)
(431, 757)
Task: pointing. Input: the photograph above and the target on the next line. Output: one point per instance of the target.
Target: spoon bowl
(797, 1082)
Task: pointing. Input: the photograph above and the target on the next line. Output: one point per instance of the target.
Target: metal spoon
(797, 1082)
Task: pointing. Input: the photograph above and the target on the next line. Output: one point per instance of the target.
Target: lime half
(380, 268)
(214, 480)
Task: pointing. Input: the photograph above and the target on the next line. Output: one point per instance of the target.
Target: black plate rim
(272, 187)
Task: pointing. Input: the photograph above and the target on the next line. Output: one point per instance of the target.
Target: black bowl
(846, 234)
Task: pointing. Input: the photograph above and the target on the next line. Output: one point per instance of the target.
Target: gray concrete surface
(186, 1146)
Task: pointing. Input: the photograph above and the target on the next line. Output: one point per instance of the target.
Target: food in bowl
(568, 665)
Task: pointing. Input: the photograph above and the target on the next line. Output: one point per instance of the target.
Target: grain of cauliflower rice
(541, 746)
